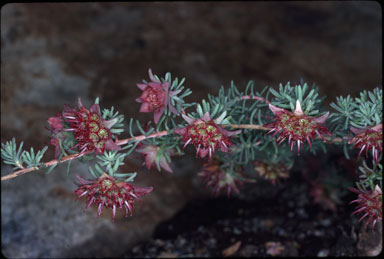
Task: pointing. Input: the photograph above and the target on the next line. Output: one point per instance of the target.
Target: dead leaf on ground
(167, 255)
(232, 249)
(274, 248)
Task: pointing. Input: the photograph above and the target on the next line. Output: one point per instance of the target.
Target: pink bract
(155, 155)
(156, 97)
(105, 191)
(296, 126)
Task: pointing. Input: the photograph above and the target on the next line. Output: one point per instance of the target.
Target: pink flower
(218, 179)
(369, 138)
(88, 127)
(296, 126)
(154, 154)
(206, 135)
(155, 97)
(105, 191)
(370, 203)
(56, 123)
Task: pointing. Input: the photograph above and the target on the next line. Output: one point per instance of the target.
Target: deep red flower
(370, 203)
(271, 172)
(88, 127)
(296, 126)
(156, 97)
(156, 155)
(206, 135)
(218, 179)
(369, 138)
(105, 191)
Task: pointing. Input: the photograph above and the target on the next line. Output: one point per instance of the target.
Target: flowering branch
(137, 138)
(228, 129)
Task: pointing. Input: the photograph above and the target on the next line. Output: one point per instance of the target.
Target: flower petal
(181, 131)
(356, 130)
(153, 79)
(155, 85)
(276, 110)
(150, 159)
(95, 108)
(79, 103)
(298, 111)
(145, 107)
(188, 119)
(109, 123)
(322, 118)
(157, 114)
(165, 165)
(206, 117)
(142, 86)
(110, 145)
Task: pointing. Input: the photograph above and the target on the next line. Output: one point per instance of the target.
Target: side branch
(74, 156)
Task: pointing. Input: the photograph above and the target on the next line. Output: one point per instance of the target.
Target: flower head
(369, 138)
(105, 191)
(88, 127)
(155, 97)
(370, 203)
(206, 135)
(296, 126)
(271, 172)
(156, 155)
(213, 175)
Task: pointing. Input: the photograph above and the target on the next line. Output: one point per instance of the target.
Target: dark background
(51, 53)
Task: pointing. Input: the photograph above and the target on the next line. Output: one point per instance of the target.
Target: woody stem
(139, 138)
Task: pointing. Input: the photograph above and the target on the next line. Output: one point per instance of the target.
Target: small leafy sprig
(358, 112)
(11, 154)
(17, 156)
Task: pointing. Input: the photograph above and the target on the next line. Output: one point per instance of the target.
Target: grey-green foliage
(360, 112)
(177, 101)
(109, 162)
(13, 155)
(287, 96)
(32, 159)
(369, 177)
(239, 111)
(117, 128)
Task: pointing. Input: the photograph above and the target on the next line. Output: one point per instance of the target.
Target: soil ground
(277, 220)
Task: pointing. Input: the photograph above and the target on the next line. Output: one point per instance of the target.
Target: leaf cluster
(360, 112)
(15, 155)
